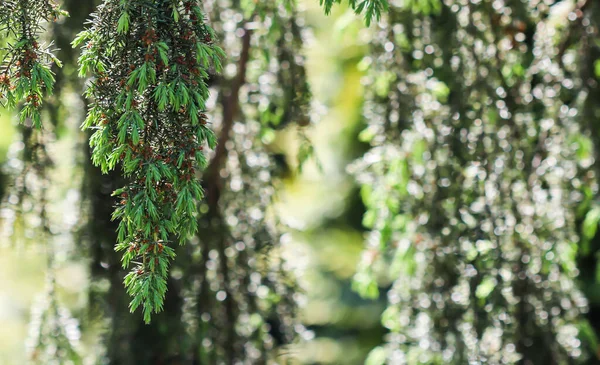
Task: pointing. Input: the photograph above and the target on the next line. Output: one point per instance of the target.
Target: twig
(231, 108)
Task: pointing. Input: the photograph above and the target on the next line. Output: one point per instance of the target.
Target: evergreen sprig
(371, 8)
(26, 67)
(149, 60)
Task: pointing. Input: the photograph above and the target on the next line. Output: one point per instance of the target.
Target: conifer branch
(25, 72)
(147, 110)
(372, 8)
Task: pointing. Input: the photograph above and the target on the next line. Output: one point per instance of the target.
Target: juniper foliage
(372, 8)
(25, 74)
(231, 292)
(148, 99)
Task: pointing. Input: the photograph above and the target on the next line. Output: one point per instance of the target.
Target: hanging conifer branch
(371, 8)
(236, 299)
(249, 314)
(25, 74)
(148, 99)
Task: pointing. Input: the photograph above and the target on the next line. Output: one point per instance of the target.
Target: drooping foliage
(25, 78)
(372, 8)
(231, 295)
(149, 61)
(478, 164)
(25, 73)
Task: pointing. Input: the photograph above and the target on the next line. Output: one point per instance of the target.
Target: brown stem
(213, 182)
(231, 106)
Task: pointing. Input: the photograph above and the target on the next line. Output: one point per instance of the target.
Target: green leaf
(590, 223)
(377, 356)
(367, 134)
(485, 288)
(135, 136)
(81, 37)
(162, 52)
(123, 24)
(211, 139)
(369, 219)
(365, 285)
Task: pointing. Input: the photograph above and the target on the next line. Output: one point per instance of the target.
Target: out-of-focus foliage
(263, 90)
(26, 78)
(53, 334)
(477, 168)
